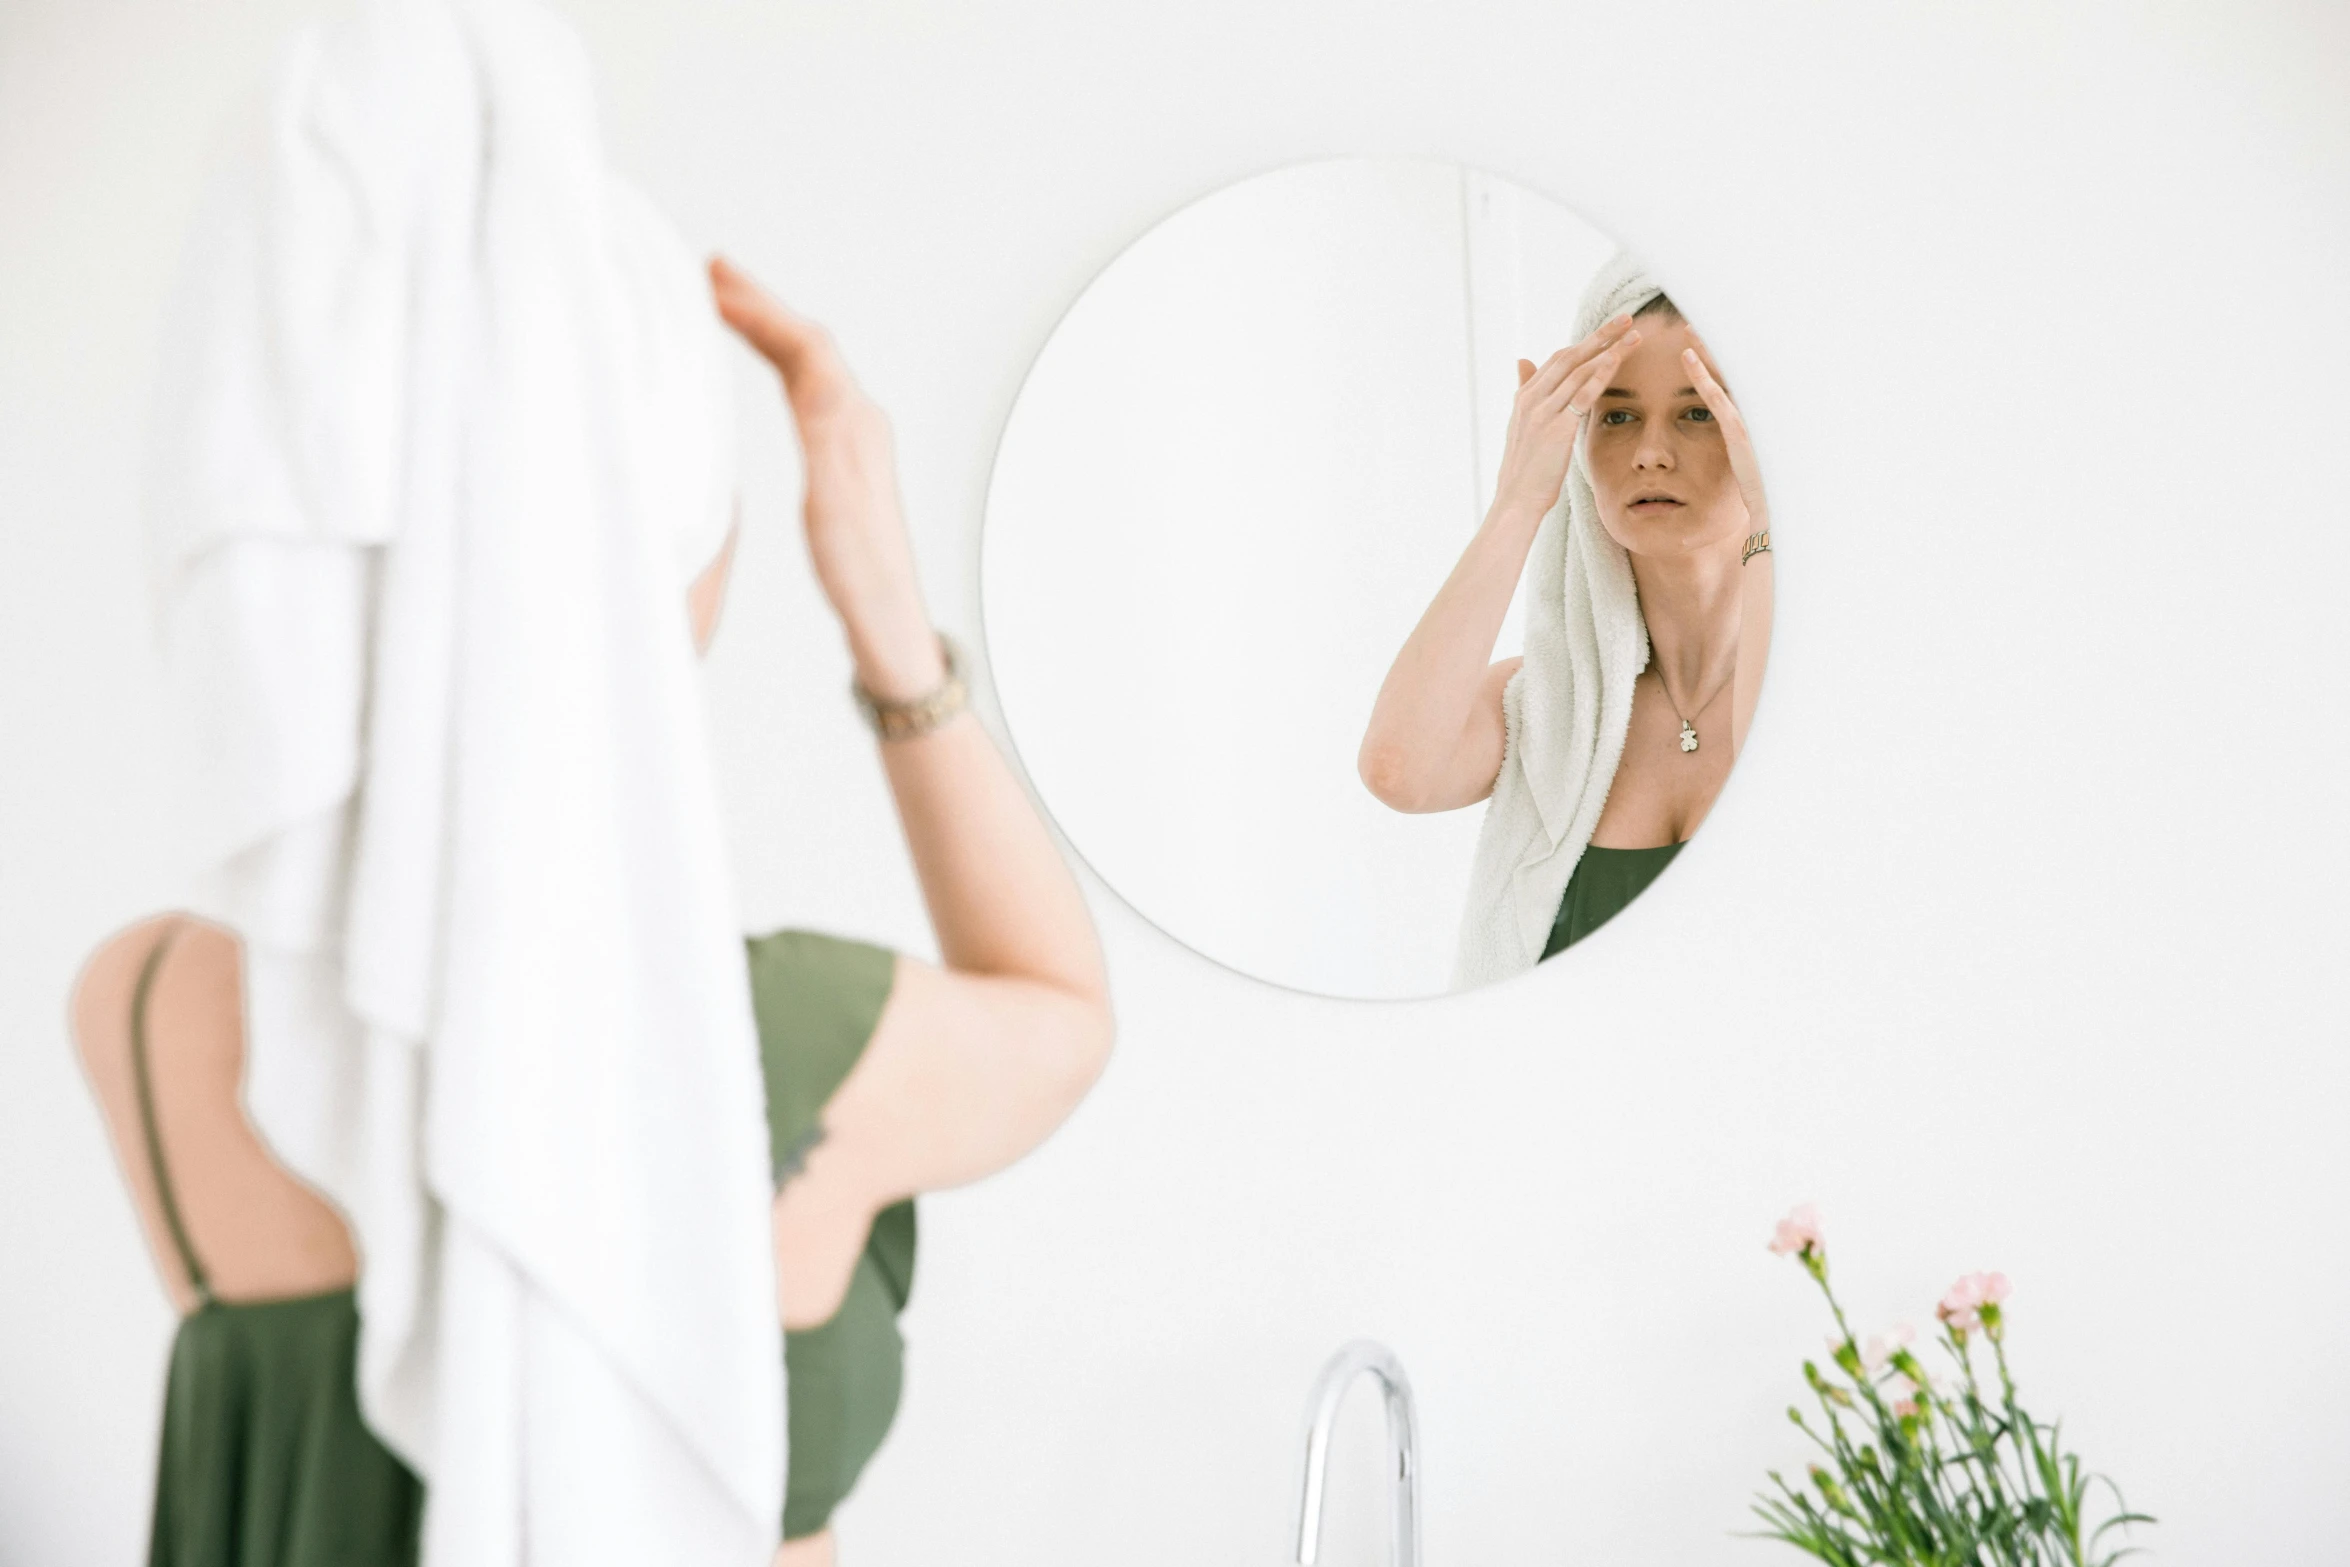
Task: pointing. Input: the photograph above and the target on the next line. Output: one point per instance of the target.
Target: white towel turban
(1567, 709)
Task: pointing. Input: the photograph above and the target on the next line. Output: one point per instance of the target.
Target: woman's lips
(1655, 503)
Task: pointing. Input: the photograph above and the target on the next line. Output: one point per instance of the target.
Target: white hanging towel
(442, 435)
(1566, 711)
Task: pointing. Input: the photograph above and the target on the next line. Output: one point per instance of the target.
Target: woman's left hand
(1743, 467)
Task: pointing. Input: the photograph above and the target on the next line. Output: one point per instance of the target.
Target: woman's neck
(1691, 605)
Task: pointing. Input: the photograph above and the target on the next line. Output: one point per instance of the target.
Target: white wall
(2017, 942)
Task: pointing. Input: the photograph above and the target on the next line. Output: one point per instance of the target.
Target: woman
(1628, 475)
(887, 1076)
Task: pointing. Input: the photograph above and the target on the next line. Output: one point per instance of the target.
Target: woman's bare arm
(1436, 734)
(1435, 738)
(973, 1063)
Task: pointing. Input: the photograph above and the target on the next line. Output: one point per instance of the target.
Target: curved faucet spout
(1403, 1447)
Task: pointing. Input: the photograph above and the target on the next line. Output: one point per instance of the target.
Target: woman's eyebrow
(1617, 391)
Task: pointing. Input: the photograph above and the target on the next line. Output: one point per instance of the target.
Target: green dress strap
(143, 1075)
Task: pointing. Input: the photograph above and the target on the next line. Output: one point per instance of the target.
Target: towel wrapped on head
(1568, 708)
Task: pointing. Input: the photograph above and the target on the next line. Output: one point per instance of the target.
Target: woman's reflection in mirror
(1627, 447)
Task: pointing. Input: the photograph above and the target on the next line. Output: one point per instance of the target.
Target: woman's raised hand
(856, 530)
(1743, 467)
(1549, 410)
(1437, 734)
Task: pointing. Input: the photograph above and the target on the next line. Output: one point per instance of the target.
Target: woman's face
(1655, 455)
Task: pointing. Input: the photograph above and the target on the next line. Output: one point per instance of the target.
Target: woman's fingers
(1525, 371)
(1556, 366)
(1716, 399)
(1743, 467)
(1698, 358)
(781, 338)
(1579, 393)
(1701, 376)
(1618, 329)
(1568, 360)
(815, 378)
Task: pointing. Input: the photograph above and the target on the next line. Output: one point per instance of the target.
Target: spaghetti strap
(145, 1079)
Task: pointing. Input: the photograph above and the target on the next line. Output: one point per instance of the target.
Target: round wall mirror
(1375, 577)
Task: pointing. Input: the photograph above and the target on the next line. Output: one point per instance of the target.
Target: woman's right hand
(855, 528)
(1549, 411)
(1437, 732)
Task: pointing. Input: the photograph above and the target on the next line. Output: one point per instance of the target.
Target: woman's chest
(1661, 790)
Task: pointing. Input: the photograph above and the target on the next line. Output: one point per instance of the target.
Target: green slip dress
(1604, 881)
(264, 1459)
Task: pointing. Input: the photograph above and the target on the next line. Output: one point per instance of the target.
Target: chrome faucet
(1403, 1447)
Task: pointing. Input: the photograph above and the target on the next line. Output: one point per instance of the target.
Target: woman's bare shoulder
(204, 976)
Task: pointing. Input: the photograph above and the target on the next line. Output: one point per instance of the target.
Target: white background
(2018, 942)
(1231, 483)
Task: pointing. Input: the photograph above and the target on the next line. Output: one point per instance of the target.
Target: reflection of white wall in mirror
(1527, 259)
(1241, 451)
(1232, 480)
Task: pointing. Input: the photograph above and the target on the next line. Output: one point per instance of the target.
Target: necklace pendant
(1688, 736)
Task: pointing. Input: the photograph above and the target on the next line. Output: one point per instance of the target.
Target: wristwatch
(917, 715)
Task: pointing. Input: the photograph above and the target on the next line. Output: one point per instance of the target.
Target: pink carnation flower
(1963, 1303)
(1798, 1233)
(1881, 1347)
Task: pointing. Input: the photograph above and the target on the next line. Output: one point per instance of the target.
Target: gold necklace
(1688, 729)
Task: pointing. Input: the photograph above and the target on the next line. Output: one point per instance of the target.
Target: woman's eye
(1701, 414)
(1616, 416)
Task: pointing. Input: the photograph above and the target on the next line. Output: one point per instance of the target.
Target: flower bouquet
(1925, 1471)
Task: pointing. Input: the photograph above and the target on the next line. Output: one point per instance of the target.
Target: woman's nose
(1654, 451)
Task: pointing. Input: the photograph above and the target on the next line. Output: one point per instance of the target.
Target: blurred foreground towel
(1566, 711)
(442, 436)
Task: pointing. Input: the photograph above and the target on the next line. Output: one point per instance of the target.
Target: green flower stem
(1881, 1490)
(1967, 1481)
